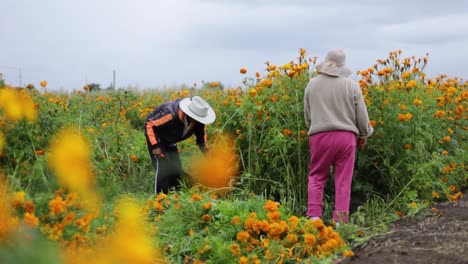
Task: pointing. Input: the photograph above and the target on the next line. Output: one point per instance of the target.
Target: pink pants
(337, 149)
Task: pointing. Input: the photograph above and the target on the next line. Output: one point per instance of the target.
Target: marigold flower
(417, 102)
(206, 218)
(435, 195)
(309, 239)
(270, 206)
(18, 199)
(444, 153)
(348, 253)
(39, 152)
(207, 206)
(30, 220)
(447, 139)
(236, 220)
(44, 84)
(134, 158)
(243, 236)
(408, 116)
(29, 206)
(253, 92)
(68, 218)
(243, 70)
(196, 197)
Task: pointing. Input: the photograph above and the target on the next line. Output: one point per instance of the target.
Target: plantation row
(78, 181)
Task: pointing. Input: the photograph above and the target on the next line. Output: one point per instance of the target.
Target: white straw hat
(334, 64)
(198, 109)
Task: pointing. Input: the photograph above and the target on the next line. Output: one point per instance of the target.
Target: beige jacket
(335, 103)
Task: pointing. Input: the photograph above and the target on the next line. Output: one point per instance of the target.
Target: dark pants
(168, 170)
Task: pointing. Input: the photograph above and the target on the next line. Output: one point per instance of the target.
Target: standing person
(169, 123)
(338, 122)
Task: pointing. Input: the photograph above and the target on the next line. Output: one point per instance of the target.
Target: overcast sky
(155, 43)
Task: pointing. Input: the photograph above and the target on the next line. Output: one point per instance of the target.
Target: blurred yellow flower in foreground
(131, 242)
(218, 167)
(70, 159)
(2, 142)
(17, 104)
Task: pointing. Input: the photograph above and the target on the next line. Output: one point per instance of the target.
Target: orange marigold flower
(270, 206)
(408, 116)
(29, 206)
(417, 102)
(447, 139)
(196, 197)
(235, 250)
(44, 84)
(401, 117)
(39, 152)
(439, 113)
(400, 214)
(243, 70)
(309, 239)
(206, 218)
(348, 253)
(243, 236)
(18, 199)
(372, 123)
(134, 158)
(207, 206)
(30, 220)
(444, 153)
(236, 220)
(407, 146)
(69, 217)
(435, 195)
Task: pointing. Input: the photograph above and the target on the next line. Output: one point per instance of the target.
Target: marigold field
(76, 181)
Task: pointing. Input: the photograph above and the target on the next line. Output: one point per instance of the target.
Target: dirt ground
(436, 239)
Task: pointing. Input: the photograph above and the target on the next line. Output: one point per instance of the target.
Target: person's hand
(361, 143)
(158, 153)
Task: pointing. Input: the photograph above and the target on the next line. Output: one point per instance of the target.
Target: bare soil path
(441, 239)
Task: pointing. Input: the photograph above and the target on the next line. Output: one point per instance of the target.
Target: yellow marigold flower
(272, 67)
(417, 102)
(2, 142)
(253, 92)
(18, 199)
(17, 104)
(405, 75)
(70, 159)
(270, 206)
(413, 204)
(191, 232)
(243, 70)
(411, 84)
(450, 131)
(444, 153)
(348, 253)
